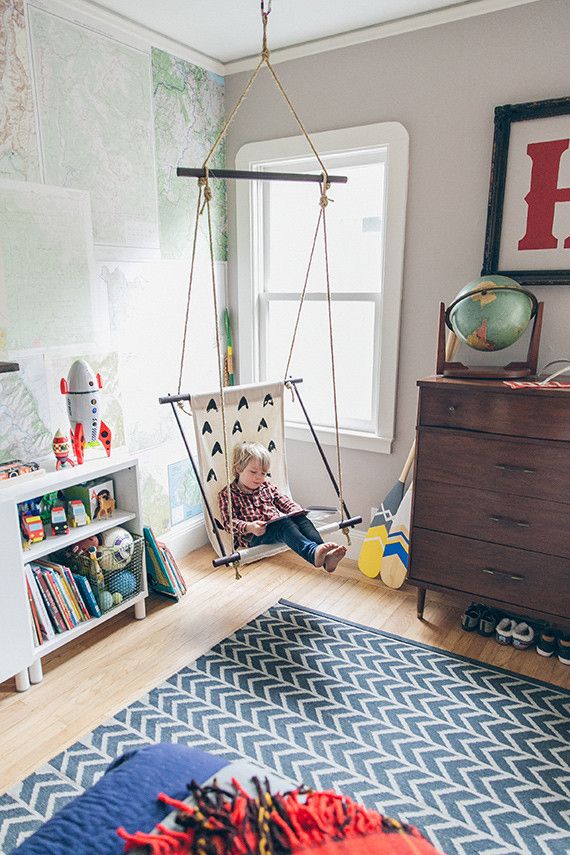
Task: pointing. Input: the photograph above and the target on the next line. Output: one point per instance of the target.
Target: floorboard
(94, 676)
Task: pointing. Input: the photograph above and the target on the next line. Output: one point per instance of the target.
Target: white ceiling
(227, 30)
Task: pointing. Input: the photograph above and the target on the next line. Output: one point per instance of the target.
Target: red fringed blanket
(299, 822)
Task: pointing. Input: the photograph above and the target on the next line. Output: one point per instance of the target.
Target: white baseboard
(185, 538)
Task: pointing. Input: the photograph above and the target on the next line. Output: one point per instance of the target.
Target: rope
(220, 371)
(264, 60)
(206, 192)
(333, 369)
(303, 293)
(191, 277)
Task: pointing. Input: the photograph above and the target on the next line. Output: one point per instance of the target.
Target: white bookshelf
(18, 655)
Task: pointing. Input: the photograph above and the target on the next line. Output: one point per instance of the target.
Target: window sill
(348, 438)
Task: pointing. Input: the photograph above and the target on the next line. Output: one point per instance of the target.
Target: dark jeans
(298, 533)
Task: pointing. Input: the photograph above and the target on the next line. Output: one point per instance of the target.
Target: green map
(96, 128)
(188, 115)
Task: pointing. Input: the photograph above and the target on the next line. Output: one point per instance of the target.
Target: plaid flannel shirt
(265, 503)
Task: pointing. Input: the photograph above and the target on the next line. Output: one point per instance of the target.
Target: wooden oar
(372, 550)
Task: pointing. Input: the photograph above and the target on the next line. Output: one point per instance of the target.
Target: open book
(286, 516)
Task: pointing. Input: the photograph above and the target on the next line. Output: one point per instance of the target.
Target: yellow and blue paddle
(389, 533)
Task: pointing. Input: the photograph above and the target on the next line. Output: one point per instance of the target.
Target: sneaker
(487, 623)
(564, 649)
(470, 618)
(546, 644)
(523, 636)
(504, 631)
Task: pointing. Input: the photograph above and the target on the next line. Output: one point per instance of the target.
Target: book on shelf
(162, 578)
(47, 630)
(36, 630)
(87, 595)
(59, 594)
(50, 603)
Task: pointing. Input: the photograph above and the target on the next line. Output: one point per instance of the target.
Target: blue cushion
(125, 795)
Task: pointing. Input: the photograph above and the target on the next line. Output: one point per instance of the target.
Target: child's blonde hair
(246, 451)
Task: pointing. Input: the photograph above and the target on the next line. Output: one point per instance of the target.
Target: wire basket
(120, 572)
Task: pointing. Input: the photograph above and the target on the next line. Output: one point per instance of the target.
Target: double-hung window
(365, 225)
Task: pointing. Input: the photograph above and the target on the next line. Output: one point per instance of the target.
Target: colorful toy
(105, 601)
(91, 542)
(124, 582)
(33, 529)
(95, 573)
(59, 521)
(47, 504)
(117, 547)
(84, 408)
(117, 598)
(14, 468)
(60, 447)
(105, 505)
(76, 514)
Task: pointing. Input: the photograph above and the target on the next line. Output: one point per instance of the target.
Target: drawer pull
(508, 467)
(508, 521)
(451, 410)
(512, 576)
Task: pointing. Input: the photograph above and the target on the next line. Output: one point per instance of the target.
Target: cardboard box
(89, 494)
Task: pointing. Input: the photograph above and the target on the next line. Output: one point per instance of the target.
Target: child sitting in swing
(256, 501)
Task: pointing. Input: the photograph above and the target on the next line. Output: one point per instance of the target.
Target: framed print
(528, 218)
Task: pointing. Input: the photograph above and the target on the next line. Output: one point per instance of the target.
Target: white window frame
(391, 138)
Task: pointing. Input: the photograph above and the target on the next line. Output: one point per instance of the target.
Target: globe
(491, 313)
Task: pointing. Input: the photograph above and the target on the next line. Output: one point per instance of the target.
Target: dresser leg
(421, 602)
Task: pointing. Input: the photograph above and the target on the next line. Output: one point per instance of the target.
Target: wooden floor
(96, 675)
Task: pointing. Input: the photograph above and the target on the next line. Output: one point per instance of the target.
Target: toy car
(33, 529)
(76, 513)
(13, 468)
(59, 521)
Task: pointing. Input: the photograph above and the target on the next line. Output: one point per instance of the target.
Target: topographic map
(46, 266)
(96, 129)
(189, 113)
(18, 141)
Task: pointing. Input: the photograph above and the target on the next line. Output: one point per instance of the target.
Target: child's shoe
(564, 649)
(523, 636)
(505, 629)
(487, 623)
(546, 644)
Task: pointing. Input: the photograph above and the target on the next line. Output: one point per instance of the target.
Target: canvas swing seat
(254, 413)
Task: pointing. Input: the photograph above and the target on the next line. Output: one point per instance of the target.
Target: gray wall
(442, 84)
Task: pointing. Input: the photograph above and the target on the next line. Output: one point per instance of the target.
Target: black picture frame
(505, 116)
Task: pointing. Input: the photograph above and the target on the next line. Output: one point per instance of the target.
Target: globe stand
(512, 371)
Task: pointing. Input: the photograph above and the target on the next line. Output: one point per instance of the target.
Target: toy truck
(59, 521)
(32, 529)
(76, 514)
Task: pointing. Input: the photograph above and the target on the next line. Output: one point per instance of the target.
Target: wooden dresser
(491, 509)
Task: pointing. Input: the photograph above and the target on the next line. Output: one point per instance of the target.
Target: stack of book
(59, 599)
(163, 574)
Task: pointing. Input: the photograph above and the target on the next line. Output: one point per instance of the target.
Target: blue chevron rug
(476, 757)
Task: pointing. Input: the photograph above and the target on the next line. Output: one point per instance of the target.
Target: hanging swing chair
(253, 413)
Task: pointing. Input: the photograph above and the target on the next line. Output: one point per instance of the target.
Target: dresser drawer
(490, 571)
(521, 467)
(513, 414)
(496, 517)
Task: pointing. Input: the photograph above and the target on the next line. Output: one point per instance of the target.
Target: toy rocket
(84, 408)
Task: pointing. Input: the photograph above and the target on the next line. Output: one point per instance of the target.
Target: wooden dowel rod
(188, 172)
